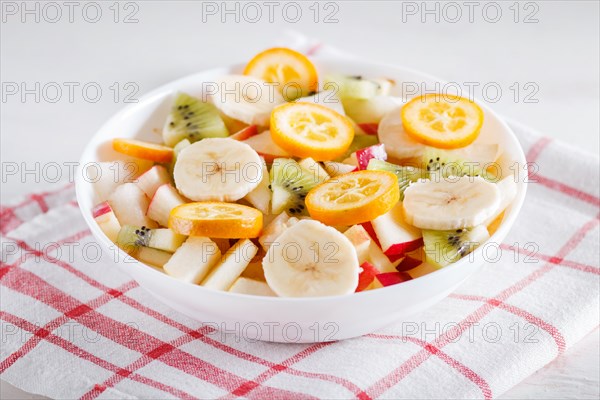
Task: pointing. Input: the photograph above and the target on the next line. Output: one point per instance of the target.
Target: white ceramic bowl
(290, 319)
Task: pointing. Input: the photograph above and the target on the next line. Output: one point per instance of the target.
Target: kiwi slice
(194, 120)
(290, 184)
(354, 87)
(369, 111)
(359, 142)
(445, 247)
(131, 237)
(443, 163)
(406, 174)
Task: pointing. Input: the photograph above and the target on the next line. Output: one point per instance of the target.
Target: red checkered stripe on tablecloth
(44, 334)
(460, 367)
(246, 386)
(535, 177)
(552, 259)
(108, 295)
(526, 315)
(12, 216)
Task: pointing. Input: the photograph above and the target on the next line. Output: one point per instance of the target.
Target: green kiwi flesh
(406, 174)
(290, 183)
(443, 248)
(194, 120)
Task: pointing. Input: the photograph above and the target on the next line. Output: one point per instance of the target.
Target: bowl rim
(506, 224)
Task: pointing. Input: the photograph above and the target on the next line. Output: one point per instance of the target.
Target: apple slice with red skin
(369, 128)
(101, 209)
(152, 179)
(367, 276)
(408, 263)
(336, 168)
(395, 236)
(130, 204)
(164, 200)
(245, 133)
(369, 228)
(392, 278)
(361, 240)
(363, 156)
(107, 220)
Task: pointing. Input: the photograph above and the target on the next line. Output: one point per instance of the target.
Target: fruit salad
(281, 182)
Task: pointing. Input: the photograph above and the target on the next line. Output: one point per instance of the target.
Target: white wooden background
(556, 57)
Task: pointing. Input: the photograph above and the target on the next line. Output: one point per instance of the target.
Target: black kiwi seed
(270, 187)
(292, 210)
(172, 123)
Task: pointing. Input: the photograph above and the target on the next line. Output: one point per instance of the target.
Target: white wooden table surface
(547, 72)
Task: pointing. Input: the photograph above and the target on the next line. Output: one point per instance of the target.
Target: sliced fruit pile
(270, 187)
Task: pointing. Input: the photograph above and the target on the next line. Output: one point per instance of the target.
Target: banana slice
(451, 203)
(217, 169)
(246, 98)
(311, 259)
(397, 142)
(508, 191)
